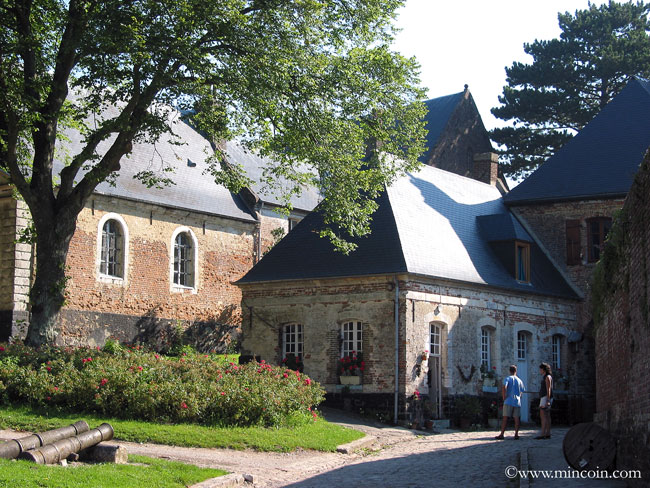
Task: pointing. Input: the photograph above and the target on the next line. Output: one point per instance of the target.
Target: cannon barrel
(12, 449)
(61, 449)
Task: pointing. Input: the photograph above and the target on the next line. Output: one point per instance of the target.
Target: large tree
(570, 80)
(308, 82)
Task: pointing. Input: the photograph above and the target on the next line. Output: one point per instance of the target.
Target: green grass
(148, 472)
(320, 435)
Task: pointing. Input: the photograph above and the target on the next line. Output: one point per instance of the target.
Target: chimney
(486, 168)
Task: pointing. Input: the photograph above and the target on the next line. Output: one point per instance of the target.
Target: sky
(460, 42)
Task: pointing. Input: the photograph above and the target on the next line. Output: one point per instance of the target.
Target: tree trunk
(47, 295)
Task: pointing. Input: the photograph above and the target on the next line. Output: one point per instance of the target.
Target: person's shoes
(516, 437)
(500, 436)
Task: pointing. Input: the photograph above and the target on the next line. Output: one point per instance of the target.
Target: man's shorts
(511, 411)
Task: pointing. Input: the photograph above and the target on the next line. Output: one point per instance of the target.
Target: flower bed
(131, 383)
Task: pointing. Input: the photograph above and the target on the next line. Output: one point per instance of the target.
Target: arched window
(352, 335)
(184, 260)
(112, 248)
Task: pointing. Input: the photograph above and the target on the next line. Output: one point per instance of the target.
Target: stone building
(568, 204)
(125, 276)
(446, 269)
(623, 331)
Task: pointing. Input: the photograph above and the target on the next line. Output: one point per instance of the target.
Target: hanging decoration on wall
(466, 379)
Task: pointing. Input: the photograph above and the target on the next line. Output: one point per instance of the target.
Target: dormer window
(522, 261)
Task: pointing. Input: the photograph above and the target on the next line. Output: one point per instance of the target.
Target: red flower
(48, 398)
(285, 375)
(183, 405)
(139, 368)
(307, 381)
(48, 368)
(103, 381)
(2, 349)
(417, 394)
(223, 393)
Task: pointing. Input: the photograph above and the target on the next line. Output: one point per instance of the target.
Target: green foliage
(570, 80)
(141, 471)
(134, 384)
(468, 406)
(611, 272)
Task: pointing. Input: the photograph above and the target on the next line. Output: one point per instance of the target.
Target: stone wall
(623, 331)
(321, 306)
(15, 267)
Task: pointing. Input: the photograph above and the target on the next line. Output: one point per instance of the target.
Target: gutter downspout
(258, 255)
(396, 348)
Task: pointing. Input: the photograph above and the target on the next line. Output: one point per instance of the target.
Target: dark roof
(426, 224)
(601, 160)
(254, 166)
(193, 188)
(439, 111)
(502, 227)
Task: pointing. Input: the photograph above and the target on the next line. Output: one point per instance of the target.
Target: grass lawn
(320, 435)
(148, 472)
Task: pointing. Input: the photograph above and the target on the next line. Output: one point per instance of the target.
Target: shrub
(132, 383)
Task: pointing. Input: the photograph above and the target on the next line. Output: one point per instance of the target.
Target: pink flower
(157, 356)
(285, 375)
(223, 393)
(103, 381)
(139, 368)
(417, 394)
(307, 382)
(183, 405)
(48, 368)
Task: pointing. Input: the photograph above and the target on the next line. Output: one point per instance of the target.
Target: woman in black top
(546, 399)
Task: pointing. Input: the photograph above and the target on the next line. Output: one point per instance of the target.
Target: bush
(131, 383)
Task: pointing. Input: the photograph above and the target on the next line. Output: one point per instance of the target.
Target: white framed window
(292, 340)
(184, 259)
(352, 335)
(557, 352)
(112, 248)
(434, 339)
(486, 346)
(522, 346)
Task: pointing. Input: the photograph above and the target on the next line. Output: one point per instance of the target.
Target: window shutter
(573, 242)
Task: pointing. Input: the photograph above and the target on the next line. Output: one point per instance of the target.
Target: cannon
(59, 450)
(13, 448)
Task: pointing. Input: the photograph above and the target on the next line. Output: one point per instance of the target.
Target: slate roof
(426, 224)
(601, 160)
(193, 190)
(439, 111)
(502, 227)
(254, 165)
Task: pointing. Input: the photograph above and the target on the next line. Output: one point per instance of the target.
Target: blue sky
(472, 41)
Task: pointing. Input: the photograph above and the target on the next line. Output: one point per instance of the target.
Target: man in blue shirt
(511, 392)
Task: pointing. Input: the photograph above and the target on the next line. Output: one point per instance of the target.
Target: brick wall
(321, 306)
(623, 336)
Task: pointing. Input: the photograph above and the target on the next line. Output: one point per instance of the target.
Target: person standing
(511, 392)
(546, 400)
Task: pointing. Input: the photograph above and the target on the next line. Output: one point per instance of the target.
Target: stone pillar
(486, 168)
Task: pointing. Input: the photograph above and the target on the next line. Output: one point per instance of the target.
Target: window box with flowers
(291, 361)
(351, 368)
(489, 375)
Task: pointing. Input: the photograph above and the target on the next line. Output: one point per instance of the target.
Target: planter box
(350, 380)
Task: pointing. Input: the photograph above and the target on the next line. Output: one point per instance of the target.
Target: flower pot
(494, 423)
(350, 380)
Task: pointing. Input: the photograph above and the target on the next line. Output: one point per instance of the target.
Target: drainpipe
(259, 236)
(396, 347)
